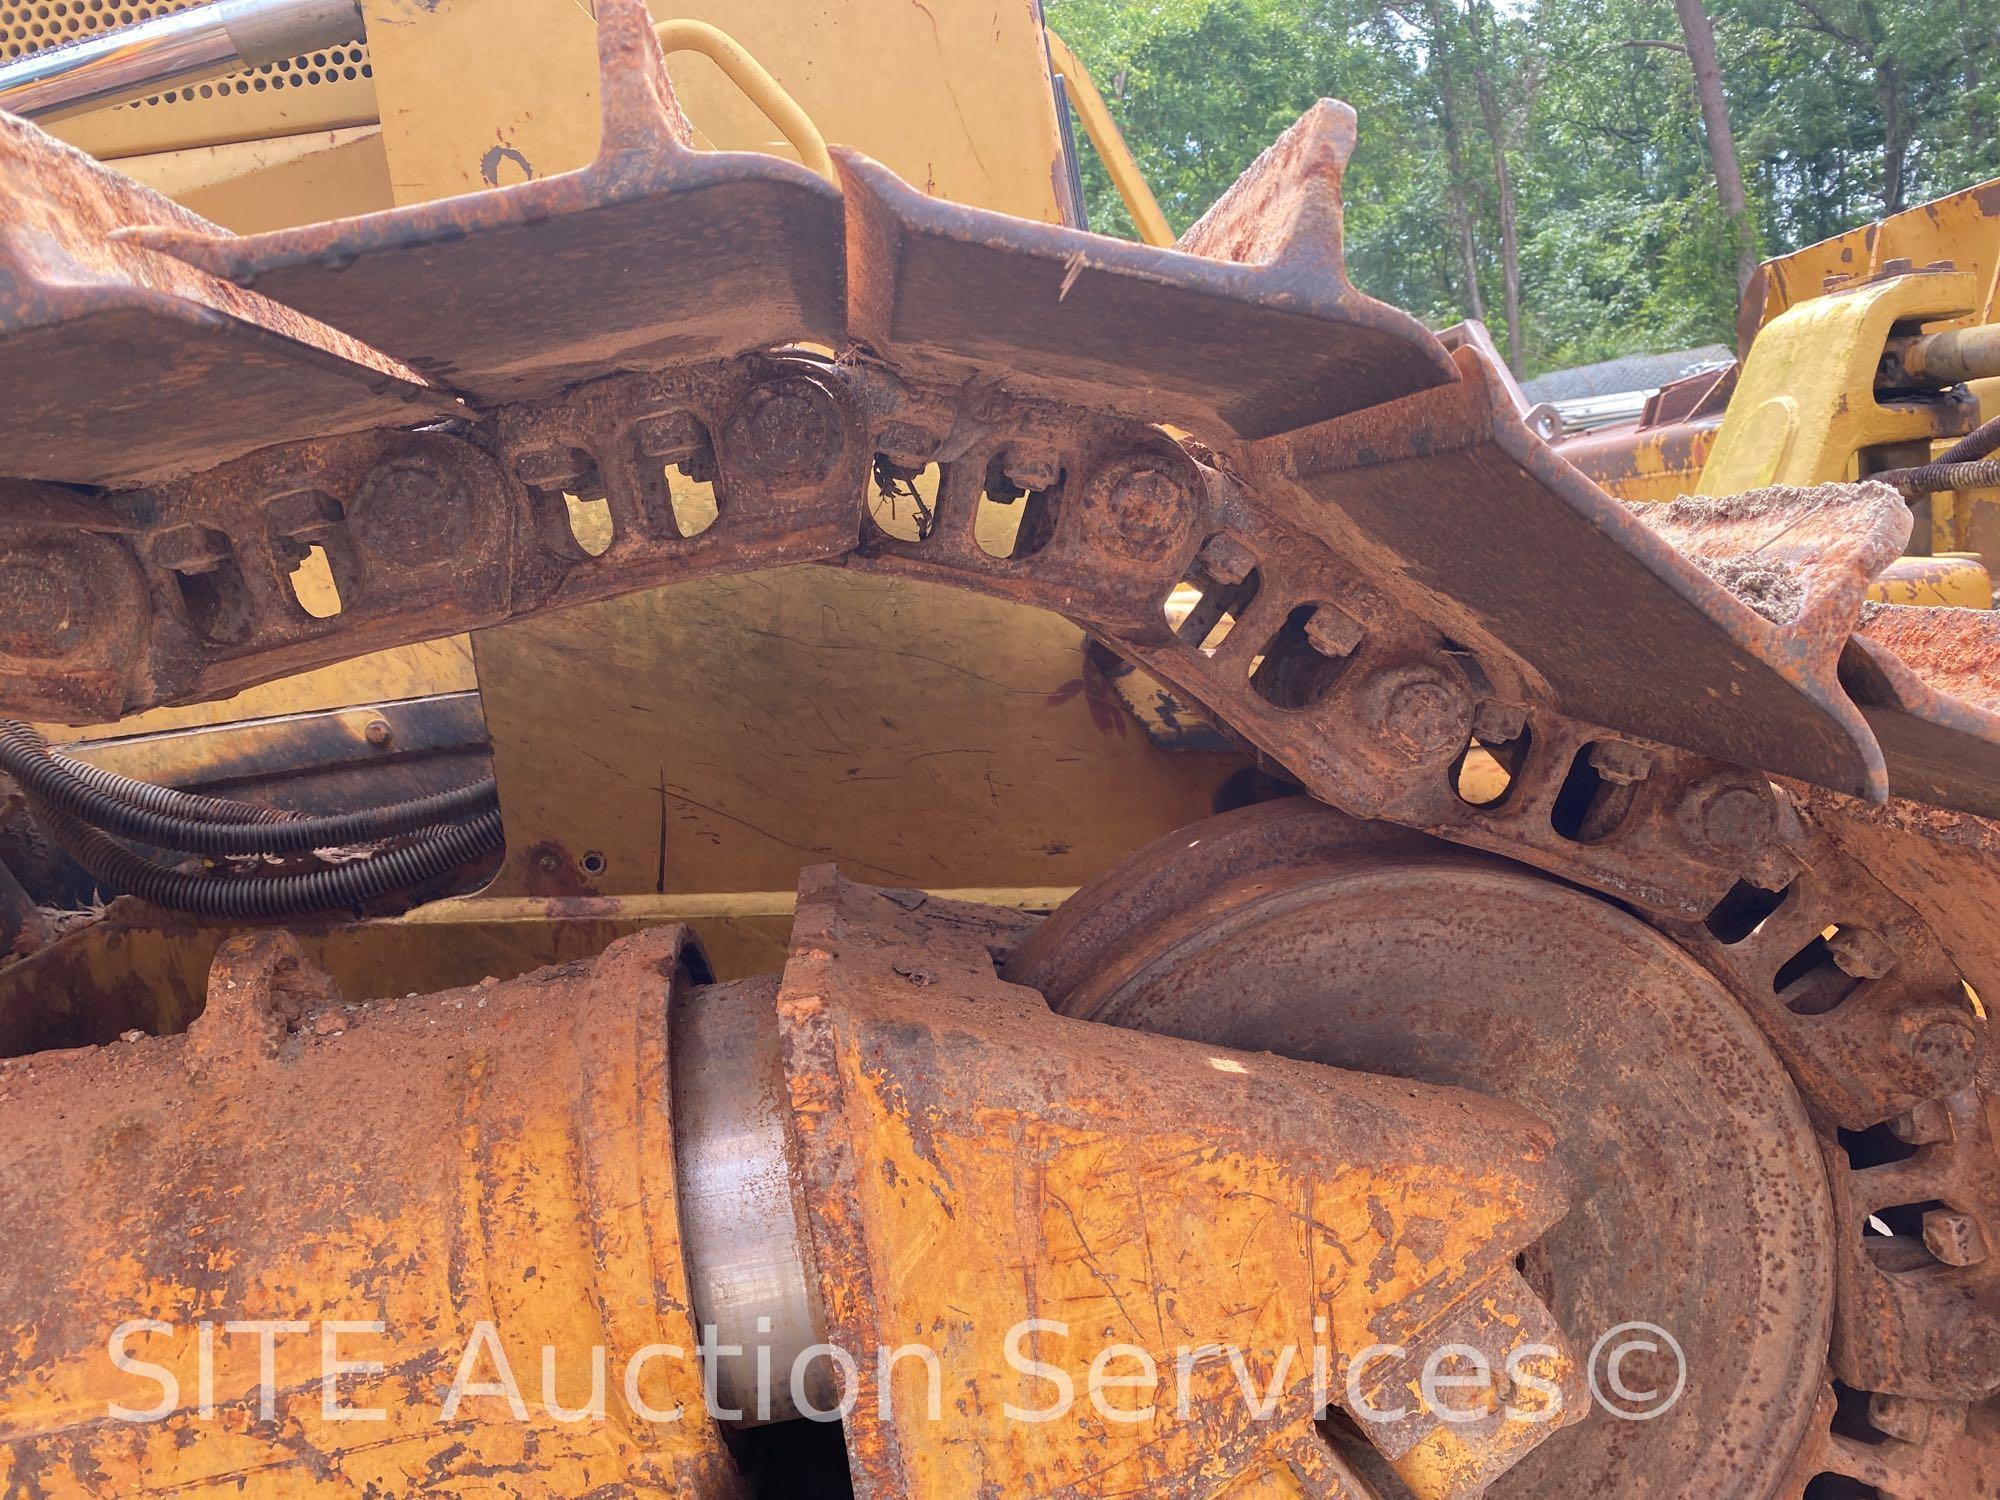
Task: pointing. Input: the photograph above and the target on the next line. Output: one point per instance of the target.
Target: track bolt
(1953, 1237)
(1742, 823)
(1419, 712)
(1925, 1124)
(1497, 723)
(1903, 1418)
(1621, 762)
(907, 445)
(1333, 632)
(1735, 819)
(786, 432)
(1861, 952)
(1772, 868)
(1945, 1049)
(378, 732)
(1226, 560)
(191, 549)
(1146, 504)
(670, 438)
(1031, 466)
(550, 468)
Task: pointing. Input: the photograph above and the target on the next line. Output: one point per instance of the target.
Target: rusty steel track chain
(1640, 708)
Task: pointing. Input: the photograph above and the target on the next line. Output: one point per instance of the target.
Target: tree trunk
(1485, 58)
(1895, 134)
(1721, 139)
(1458, 201)
(1461, 207)
(1510, 263)
(1977, 126)
(1872, 46)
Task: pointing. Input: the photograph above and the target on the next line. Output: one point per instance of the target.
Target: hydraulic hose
(327, 889)
(164, 799)
(1928, 479)
(168, 819)
(1976, 444)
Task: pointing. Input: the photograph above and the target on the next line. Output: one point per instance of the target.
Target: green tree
(1544, 164)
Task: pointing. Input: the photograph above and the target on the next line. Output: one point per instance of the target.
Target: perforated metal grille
(34, 25)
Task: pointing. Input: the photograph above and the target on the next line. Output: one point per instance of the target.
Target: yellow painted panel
(481, 93)
(719, 735)
(955, 98)
(1953, 581)
(1962, 227)
(254, 186)
(443, 666)
(1805, 402)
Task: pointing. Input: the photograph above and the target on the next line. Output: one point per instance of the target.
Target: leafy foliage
(1843, 110)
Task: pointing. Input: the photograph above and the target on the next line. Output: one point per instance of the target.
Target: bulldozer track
(1697, 716)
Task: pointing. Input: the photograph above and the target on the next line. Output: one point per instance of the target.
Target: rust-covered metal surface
(512, 1170)
(1030, 382)
(1746, 998)
(1286, 928)
(980, 1163)
(1928, 681)
(121, 364)
(1530, 537)
(517, 1202)
(655, 254)
(1250, 322)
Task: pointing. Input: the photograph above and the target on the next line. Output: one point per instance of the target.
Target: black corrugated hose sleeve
(330, 888)
(168, 819)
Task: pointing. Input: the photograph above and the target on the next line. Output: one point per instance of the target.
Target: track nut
(1497, 723)
(1904, 1418)
(1943, 1050)
(1419, 713)
(1925, 1124)
(1031, 467)
(786, 433)
(1226, 560)
(1742, 822)
(1621, 762)
(1861, 952)
(1142, 504)
(1953, 1237)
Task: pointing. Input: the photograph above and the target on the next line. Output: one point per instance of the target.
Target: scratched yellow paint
(1010, 1165)
(1959, 581)
(497, 1157)
(1962, 228)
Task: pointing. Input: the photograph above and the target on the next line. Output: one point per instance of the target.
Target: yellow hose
(758, 86)
(1111, 148)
